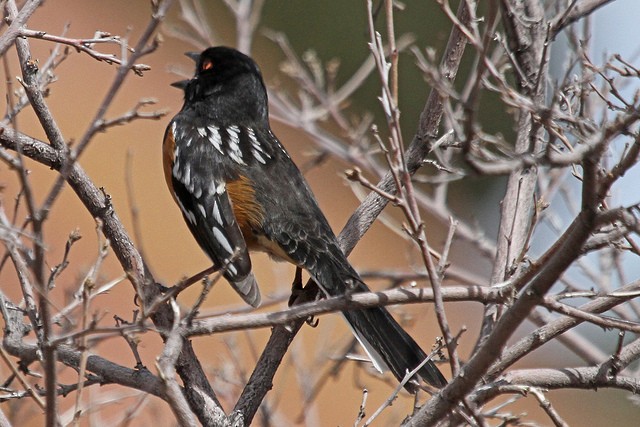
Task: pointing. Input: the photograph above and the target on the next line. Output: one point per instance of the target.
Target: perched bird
(239, 191)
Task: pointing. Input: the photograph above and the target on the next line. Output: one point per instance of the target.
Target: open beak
(182, 84)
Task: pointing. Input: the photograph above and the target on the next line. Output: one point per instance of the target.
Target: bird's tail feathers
(247, 288)
(389, 346)
(385, 342)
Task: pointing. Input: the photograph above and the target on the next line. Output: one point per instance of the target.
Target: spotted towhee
(239, 190)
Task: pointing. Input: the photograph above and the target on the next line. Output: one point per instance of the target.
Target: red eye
(207, 64)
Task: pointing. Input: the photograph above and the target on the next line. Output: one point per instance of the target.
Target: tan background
(172, 253)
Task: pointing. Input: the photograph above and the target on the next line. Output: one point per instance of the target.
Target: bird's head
(227, 80)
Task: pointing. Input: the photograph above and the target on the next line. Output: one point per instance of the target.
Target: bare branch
(353, 301)
(576, 10)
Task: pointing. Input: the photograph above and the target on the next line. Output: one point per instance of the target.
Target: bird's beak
(193, 55)
(182, 84)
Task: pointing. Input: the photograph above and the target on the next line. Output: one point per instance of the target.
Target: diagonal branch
(577, 10)
(426, 134)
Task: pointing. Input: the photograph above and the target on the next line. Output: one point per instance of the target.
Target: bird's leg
(300, 294)
(296, 287)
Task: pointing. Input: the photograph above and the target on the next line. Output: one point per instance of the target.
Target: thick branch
(355, 301)
(558, 326)
(442, 403)
(109, 372)
(17, 23)
(525, 26)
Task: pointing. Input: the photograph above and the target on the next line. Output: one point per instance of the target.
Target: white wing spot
(232, 269)
(191, 217)
(254, 141)
(278, 144)
(234, 156)
(215, 138)
(233, 132)
(176, 170)
(234, 144)
(222, 240)
(202, 211)
(197, 190)
(220, 188)
(216, 212)
(202, 132)
(258, 147)
(186, 177)
(258, 157)
(257, 150)
(187, 213)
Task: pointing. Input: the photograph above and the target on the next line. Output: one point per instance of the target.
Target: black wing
(198, 174)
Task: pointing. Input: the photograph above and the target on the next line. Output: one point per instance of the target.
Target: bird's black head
(227, 87)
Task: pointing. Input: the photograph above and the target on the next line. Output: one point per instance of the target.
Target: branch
(558, 326)
(442, 403)
(166, 371)
(583, 378)
(17, 23)
(143, 47)
(199, 393)
(427, 132)
(525, 26)
(577, 10)
(298, 312)
(86, 46)
(260, 381)
(109, 372)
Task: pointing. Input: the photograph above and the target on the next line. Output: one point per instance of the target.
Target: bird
(239, 191)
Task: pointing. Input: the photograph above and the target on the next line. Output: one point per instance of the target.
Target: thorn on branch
(108, 206)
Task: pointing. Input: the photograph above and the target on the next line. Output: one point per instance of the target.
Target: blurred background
(126, 162)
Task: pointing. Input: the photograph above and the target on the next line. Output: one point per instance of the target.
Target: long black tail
(387, 344)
